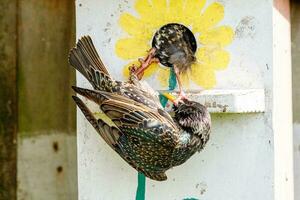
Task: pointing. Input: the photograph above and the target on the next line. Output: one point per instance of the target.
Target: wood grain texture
(46, 33)
(8, 99)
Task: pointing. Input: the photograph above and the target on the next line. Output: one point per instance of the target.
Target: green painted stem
(172, 85)
(141, 188)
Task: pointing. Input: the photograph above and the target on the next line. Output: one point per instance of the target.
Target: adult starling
(135, 125)
(174, 45)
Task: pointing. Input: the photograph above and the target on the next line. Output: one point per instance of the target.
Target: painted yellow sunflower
(153, 14)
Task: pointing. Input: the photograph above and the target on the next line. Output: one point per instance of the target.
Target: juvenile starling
(174, 45)
(138, 128)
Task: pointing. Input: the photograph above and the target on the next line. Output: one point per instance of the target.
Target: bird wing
(110, 134)
(129, 115)
(86, 60)
(141, 94)
(144, 138)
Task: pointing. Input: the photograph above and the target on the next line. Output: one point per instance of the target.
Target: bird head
(191, 116)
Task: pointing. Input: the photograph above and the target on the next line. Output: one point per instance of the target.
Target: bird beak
(170, 97)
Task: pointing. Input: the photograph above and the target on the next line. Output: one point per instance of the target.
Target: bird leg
(182, 95)
(145, 63)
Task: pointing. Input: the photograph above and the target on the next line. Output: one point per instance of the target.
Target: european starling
(138, 129)
(174, 45)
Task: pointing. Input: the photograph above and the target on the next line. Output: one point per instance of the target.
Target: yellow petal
(159, 5)
(163, 76)
(175, 11)
(211, 16)
(151, 14)
(192, 9)
(159, 17)
(175, 5)
(215, 57)
(135, 27)
(194, 6)
(220, 36)
(148, 72)
(131, 48)
(144, 9)
(204, 76)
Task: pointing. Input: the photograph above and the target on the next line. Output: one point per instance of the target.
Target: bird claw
(151, 51)
(145, 63)
(182, 96)
(141, 60)
(133, 72)
(132, 69)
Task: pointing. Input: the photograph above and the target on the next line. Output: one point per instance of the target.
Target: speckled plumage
(175, 46)
(139, 130)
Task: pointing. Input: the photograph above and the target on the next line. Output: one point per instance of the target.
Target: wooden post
(8, 99)
(46, 34)
(35, 100)
(47, 143)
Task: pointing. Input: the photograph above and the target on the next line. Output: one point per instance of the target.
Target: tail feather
(86, 60)
(89, 50)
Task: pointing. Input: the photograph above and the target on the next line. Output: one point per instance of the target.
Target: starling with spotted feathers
(135, 124)
(174, 45)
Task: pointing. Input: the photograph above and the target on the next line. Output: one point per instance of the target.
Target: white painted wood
(282, 102)
(297, 159)
(230, 101)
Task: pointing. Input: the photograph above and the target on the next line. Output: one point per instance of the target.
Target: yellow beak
(169, 96)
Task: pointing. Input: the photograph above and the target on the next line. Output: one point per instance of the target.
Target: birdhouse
(240, 72)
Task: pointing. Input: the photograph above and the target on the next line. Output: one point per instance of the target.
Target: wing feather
(129, 114)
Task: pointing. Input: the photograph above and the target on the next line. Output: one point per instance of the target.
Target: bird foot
(135, 71)
(132, 76)
(132, 69)
(144, 64)
(182, 96)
